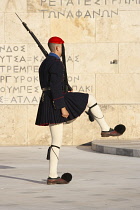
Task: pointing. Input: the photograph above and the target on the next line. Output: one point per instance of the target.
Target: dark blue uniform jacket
(51, 74)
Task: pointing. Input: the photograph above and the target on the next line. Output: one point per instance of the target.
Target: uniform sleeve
(56, 78)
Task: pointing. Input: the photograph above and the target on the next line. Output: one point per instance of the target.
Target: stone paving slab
(117, 147)
(100, 181)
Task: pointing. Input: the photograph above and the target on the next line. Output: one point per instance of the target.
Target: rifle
(34, 37)
(46, 53)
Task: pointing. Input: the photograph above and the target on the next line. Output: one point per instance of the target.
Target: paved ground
(117, 147)
(100, 181)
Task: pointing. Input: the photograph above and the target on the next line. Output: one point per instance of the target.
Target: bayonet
(34, 37)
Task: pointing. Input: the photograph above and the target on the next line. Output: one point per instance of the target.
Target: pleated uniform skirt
(75, 104)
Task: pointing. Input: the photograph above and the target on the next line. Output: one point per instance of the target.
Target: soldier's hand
(64, 112)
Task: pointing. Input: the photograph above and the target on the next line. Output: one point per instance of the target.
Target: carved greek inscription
(19, 81)
(69, 8)
(76, 84)
(86, 3)
(78, 14)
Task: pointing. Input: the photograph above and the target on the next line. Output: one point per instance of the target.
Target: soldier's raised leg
(95, 112)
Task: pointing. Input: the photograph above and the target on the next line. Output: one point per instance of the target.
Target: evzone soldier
(59, 105)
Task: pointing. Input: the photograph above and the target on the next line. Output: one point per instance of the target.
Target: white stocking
(98, 115)
(57, 135)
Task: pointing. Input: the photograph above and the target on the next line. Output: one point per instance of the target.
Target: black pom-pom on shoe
(67, 177)
(120, 129)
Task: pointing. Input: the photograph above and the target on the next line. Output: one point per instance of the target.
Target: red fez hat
(56, 40)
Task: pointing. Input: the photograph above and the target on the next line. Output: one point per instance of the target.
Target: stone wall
(102, 40)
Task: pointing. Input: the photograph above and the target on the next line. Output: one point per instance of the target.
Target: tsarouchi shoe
(117, 131)
(111, 132)
(57, 180)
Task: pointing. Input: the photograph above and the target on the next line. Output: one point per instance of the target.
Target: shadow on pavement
(85, 147)
(28, 180)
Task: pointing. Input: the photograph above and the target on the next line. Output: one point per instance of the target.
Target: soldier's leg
(56, 135)
(97, 113)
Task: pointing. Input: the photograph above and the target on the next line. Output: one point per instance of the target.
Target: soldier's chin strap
(49, 150)
(91, 115)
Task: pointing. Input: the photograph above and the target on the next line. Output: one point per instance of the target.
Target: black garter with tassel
(89, 113)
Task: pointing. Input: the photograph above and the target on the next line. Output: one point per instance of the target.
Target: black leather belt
(48, 88)
(45, 89)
